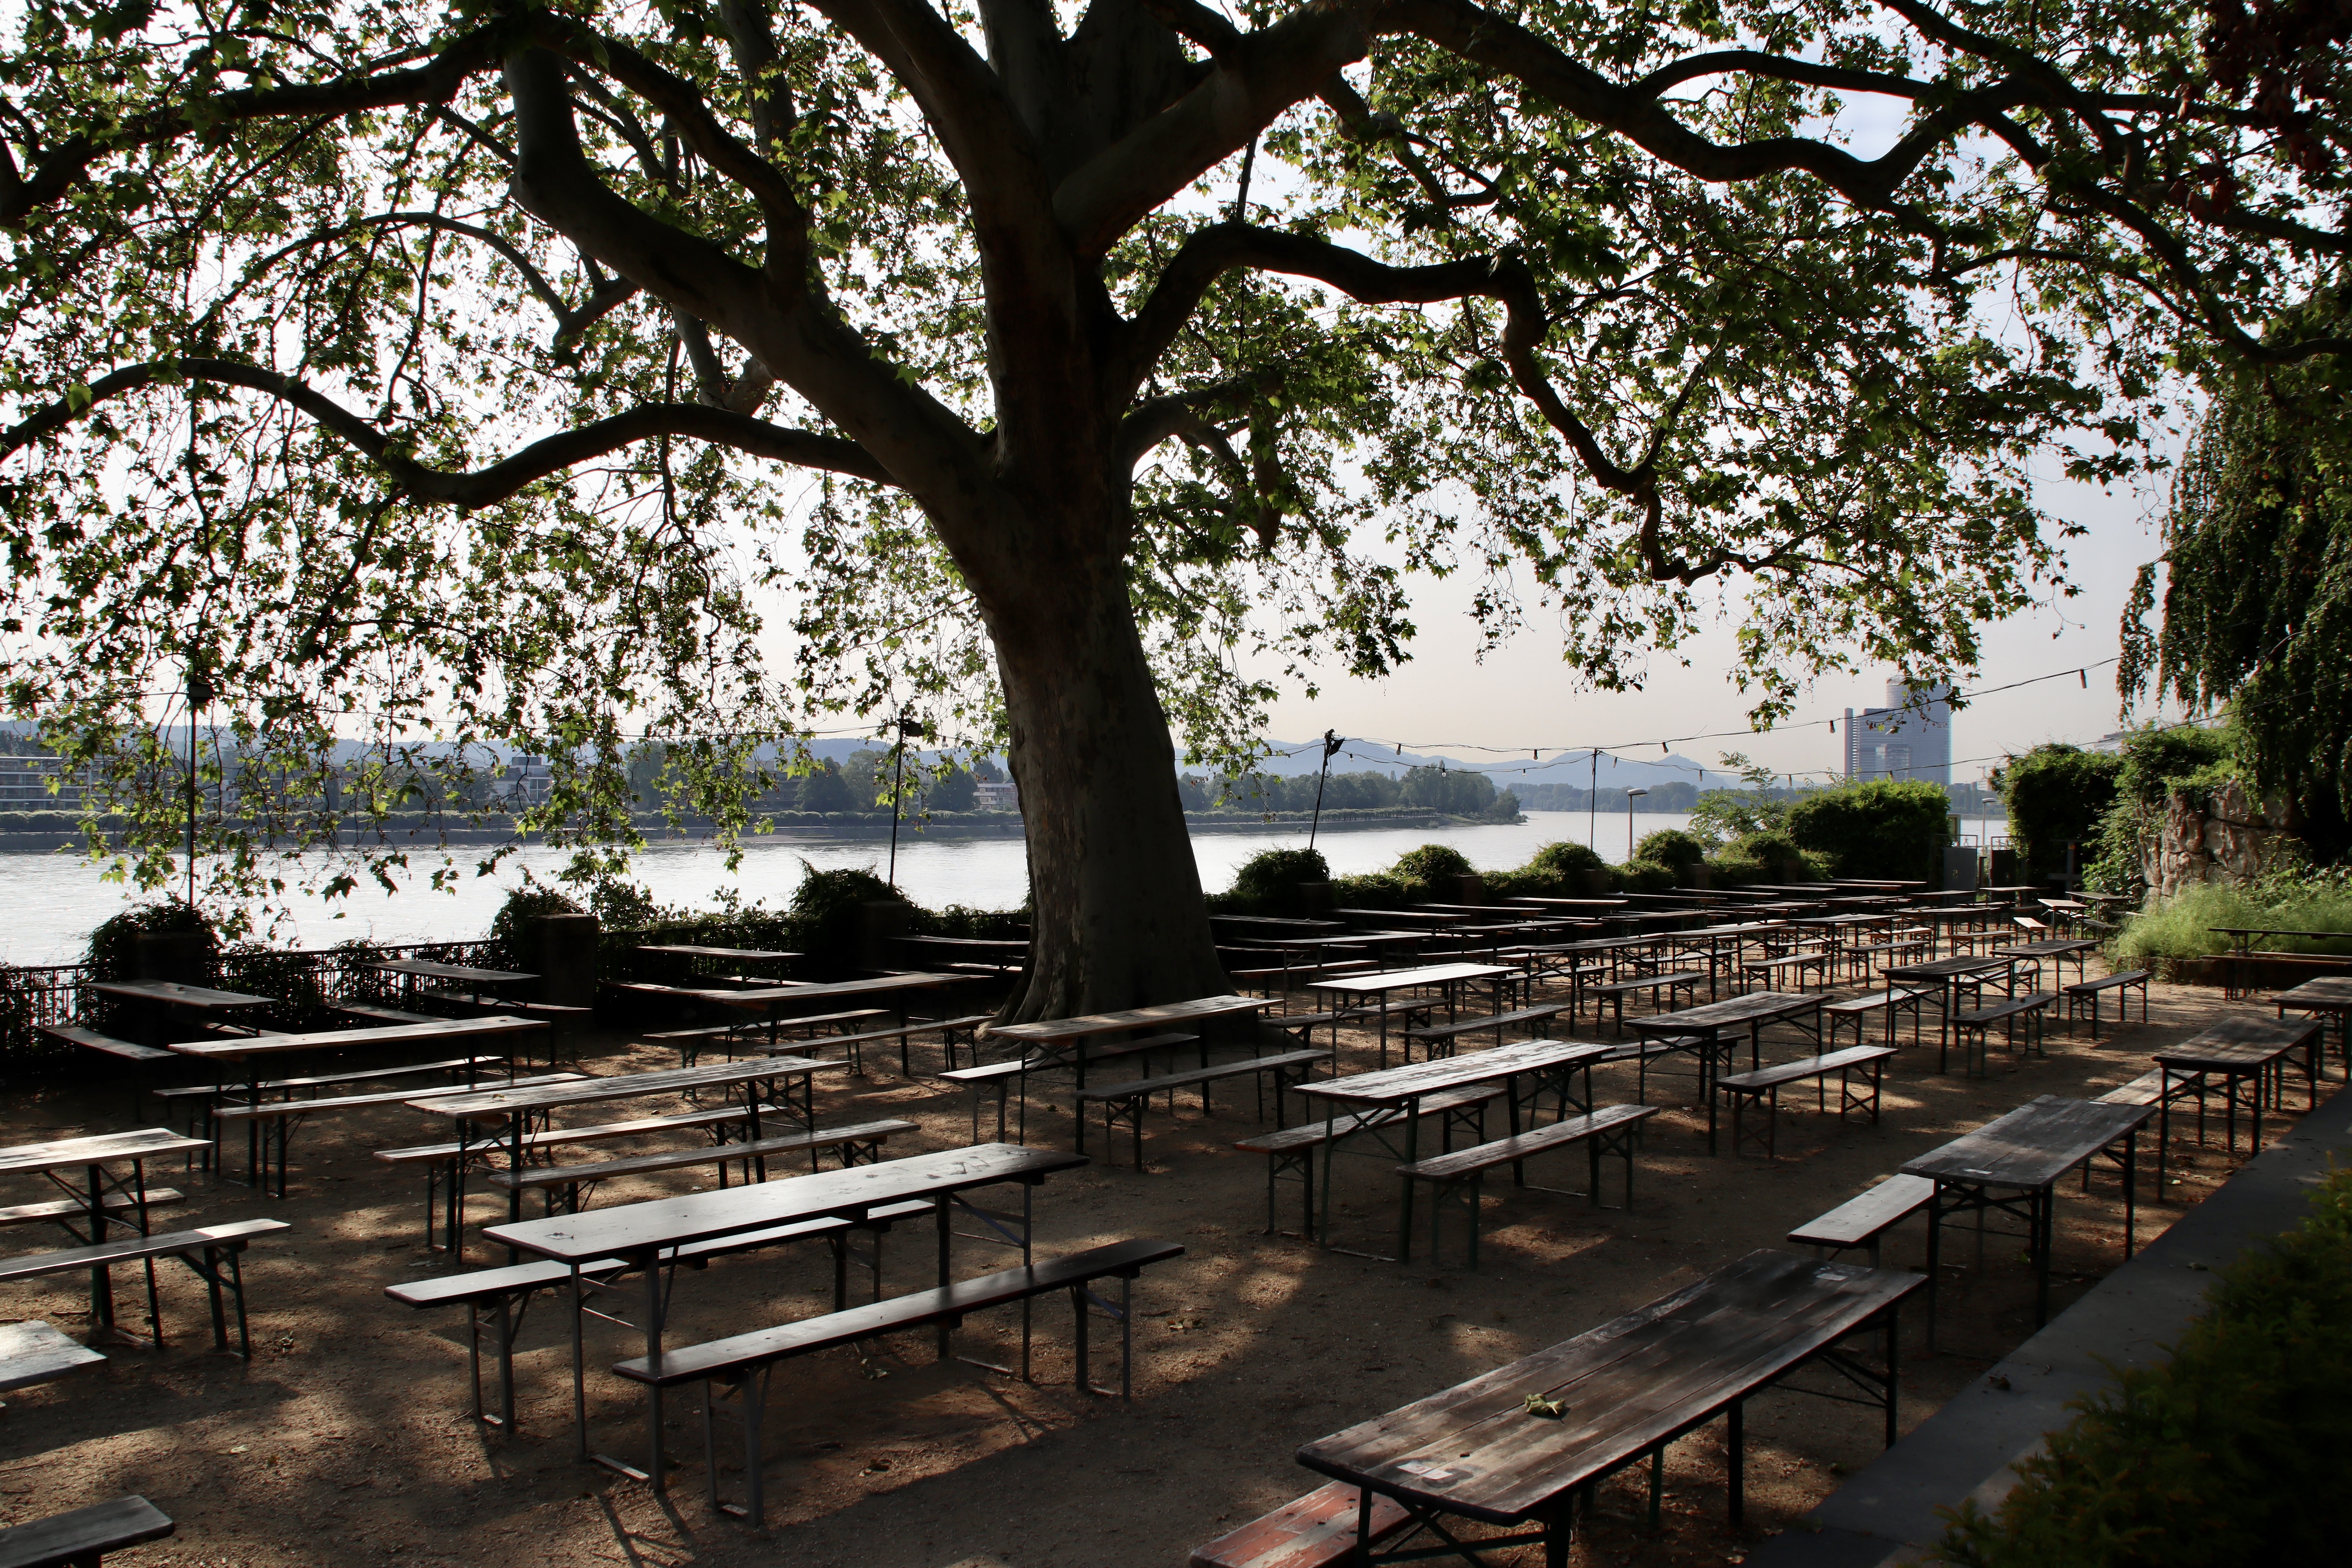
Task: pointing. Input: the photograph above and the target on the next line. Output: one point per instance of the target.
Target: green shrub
(2181, 927)
(1670, 847)
(113, 954)
(829, 921)
(2057, 795)
(1267, 882)
(2230, 1452)
(523, 904)
(1651, 877)
(1884, 828)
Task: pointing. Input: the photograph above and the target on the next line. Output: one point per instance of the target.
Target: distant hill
(1555, 767)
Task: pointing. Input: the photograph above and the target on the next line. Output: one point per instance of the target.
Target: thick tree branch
(436, 83)
(1259, 75)
(483, 487)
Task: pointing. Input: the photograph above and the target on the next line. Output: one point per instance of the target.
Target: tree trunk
(1119, 919)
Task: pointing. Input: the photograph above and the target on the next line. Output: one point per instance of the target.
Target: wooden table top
(1748, 928)
(2032, 1146)
(332, 1039)
(482, 1105)
(146, 1143)
(1284, 921)
(1628, 1385)
(641, 1227)
(765, 998)
(2225, 1042)
(1395, 1086)
(198, 997)
(1943, 968)
(2326, 991)
(1756, 1007)
(1201, 1009)
(735, 954)
(2048, 947)
(972, 943)
(1397, 979)
(1407, 917)
(429, 969)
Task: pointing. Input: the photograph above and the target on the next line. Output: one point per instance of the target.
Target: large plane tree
(561, 374)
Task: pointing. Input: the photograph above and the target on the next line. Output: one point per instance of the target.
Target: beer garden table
(1448, 977)
(511, 1113)
(1712, 939)
(202, 1000)
(254, 1051)
(1626, 1389)
(640, 1234)
(1060, 1042)
(2011, 1165)
(93, 1158)
(2328, 997)
(1948, 975)
(473, 981)
(692, 954)
(1708, 1023)
(2056, 948)
(2236, 1051)
(767, 999)
(1553, 1064)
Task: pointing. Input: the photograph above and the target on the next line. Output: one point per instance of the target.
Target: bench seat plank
(1318, 1530)
(114, 1204)
(274, 1108)
(91, 1039)
(1136, 1088)
(1861, 1221)
(1810, 1066)
(1510, 1150)
(65, 1540)
(33, 1353)
(716, 1358)
(537, 1177)
(129, 1248)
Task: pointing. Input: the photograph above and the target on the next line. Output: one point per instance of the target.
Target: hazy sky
(1524, 696)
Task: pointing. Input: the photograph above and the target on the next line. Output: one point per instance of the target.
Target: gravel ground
(347, 1439)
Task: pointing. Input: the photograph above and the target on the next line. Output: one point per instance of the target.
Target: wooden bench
(858, 1144)
(1290, 1152)
(2147, 1089)
(33, 1352)
(497, 1299)
(217, 1245)
(2124, 980)
(1864, 1221)
(1002, 1076)
(1614, 992)
(1645, 1051)
(1301, 1026)
(1318, 1530)
(1456, 1177)
(91, 1039)
(947, 1029)
(688, 1041)
(440, 1160)
(277, 1118)
(1813, 959)
(1127, 1101)
(1890, 1000)
(1974, 1025)
(742, 1362)
(116, 1205)
(82, 1538)
(1434, 1036)
(1765, 1084)
(378, 1013)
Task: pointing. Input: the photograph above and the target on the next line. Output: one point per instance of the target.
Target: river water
(49, 903)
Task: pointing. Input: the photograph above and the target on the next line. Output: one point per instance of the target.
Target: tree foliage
(2056, 795)
(420, 376)
(1881, 828)
(2257, 605)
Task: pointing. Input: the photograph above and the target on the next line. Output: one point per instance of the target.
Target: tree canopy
(426, 373)
(2257, 607)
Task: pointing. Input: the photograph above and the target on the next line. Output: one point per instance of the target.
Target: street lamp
(907, 727)
(1631, 796)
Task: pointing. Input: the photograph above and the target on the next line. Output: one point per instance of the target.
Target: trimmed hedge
(2231, 1452)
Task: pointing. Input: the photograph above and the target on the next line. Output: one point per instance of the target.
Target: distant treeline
(1420, 789)
(1676, 796)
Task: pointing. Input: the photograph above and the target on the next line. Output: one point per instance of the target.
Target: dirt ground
(348, 1438)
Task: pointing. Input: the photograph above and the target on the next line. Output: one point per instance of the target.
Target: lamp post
(1331, 744)
(199, 697)
(1631, 796)
(906, 727)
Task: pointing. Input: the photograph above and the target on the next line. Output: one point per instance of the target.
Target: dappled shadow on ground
(348, 1439)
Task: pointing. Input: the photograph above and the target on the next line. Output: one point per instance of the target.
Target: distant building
(523, 781)
(24, 785)
(1910, 738)
(996, 797)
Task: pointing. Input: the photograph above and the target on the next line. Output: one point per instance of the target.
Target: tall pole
(199, 697)
(897, 784)
(1591, 807)
(1630, 796)
(1332, 743)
